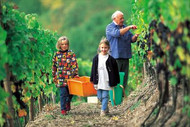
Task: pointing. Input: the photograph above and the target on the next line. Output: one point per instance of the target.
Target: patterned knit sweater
(64, 67)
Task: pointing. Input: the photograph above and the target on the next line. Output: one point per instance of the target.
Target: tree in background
(83, 21)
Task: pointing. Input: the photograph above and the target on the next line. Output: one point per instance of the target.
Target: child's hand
(113, 87)
(76, 76)
(55, 80)
(95, 87)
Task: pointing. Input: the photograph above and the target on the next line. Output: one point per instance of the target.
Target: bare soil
(131, 113)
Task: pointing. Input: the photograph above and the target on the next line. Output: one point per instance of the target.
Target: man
(120, 39)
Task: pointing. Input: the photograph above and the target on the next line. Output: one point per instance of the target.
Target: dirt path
(131, 113)
(81, 115)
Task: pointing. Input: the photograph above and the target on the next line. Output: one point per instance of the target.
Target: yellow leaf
(72, 122)
(188, 59)
(52, 4)
(137, 31)
(13, 88)
(115, 118)
(25, 99)
(42, 83)
(181, 53)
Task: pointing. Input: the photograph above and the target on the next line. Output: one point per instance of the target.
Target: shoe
(63, 112)
(68, 106)
(102, 113)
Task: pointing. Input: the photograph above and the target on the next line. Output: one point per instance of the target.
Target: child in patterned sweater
(64, 67)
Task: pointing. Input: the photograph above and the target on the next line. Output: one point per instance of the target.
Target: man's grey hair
(114, 15)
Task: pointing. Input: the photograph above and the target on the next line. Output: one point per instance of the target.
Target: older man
(120, 39)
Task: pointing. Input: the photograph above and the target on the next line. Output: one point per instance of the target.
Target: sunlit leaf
(72, 122)
(187, 98)
(13, 88)
(181, 53)
(25, 99)
(115, 118)
(173, 81)
(177, 63)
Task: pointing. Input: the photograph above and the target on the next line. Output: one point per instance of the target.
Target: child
(104, 74)
(64, 67)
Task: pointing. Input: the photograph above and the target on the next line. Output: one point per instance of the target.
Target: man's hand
(134, 38)
(133, 27)
(136, 35)
(124, 30)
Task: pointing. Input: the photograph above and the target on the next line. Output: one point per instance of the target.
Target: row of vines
(26, 53)
(164, 48)
(26, 50)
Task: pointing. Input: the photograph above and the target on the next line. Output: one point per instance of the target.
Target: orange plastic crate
(81, 86)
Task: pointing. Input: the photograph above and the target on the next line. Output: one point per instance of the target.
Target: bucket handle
(114, 96)
(114, 93)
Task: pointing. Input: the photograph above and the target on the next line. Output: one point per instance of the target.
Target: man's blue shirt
(120, 45)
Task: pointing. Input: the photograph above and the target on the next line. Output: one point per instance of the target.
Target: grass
(76, 103)
(49, 117)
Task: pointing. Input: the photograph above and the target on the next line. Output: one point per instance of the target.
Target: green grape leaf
(173, 80)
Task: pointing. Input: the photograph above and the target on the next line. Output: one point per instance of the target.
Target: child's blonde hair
(62, 38)
(103, 41)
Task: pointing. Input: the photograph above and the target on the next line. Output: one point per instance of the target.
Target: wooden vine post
(40, 102)
(31, 106)
(31, 109)
(7, 87)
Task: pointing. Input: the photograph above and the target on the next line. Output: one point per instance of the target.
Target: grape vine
(165, 46)
(27, 52)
